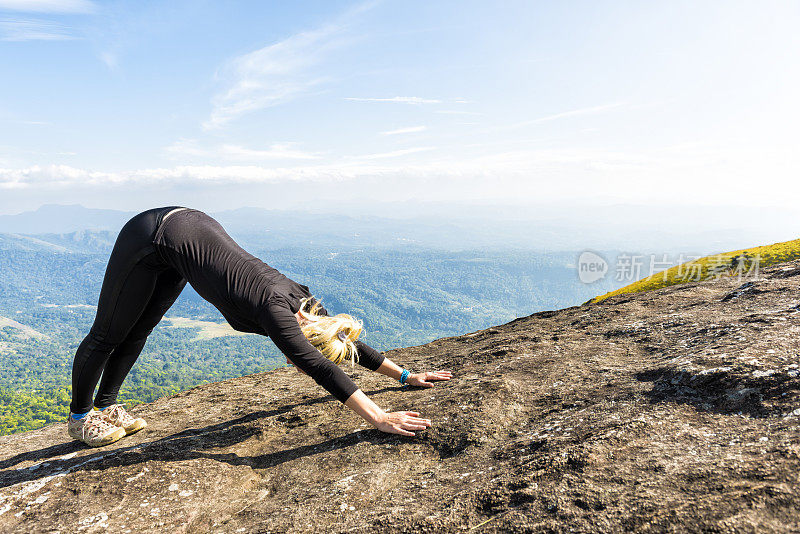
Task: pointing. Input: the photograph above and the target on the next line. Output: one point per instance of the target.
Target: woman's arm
(424, 379)
(281, 325)
(369, 357)
(394, 423)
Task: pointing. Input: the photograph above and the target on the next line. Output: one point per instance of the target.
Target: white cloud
(64, 176)
(396, 153)
(410, 129)
(276, 151)
(397, 99)
(34, 30)
(271, 75)
(521, 162)
(110, 59)
(187, 147)
(572, 113)
(707, 174)
(34, 123)
(279, 72)
(456, 112)
(49, 6)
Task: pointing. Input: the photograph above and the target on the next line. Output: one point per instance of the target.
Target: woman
(155, 255)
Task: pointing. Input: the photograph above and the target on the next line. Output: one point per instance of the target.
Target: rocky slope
(673, 410)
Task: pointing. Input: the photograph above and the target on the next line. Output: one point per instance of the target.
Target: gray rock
(661, 411)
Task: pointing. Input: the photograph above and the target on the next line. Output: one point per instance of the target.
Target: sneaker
(117, 416)
(94, 430)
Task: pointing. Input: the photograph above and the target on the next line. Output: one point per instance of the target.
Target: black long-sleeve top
(250, 294)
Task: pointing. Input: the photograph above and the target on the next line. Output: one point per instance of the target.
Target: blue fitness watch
(404, 377)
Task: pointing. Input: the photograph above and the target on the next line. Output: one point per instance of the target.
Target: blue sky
(342, 105)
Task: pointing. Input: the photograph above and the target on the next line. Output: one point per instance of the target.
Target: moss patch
(743, 263)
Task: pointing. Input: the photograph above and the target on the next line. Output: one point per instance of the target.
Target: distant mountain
(83, 241)
(690, 230)
(60, 219)
(266, 228)
(281, 228)
(28, 243)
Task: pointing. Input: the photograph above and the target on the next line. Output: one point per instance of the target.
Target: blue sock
(77, 416)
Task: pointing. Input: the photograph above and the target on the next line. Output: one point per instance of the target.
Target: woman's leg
(128, 284)
(117, 314)
(168, 286)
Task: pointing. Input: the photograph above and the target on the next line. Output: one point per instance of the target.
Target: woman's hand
(394, 423)
(402, 423)
(424, 379)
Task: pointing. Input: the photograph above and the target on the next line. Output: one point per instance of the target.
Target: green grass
(744, 263)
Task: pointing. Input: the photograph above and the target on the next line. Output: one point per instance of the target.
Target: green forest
(405, 296)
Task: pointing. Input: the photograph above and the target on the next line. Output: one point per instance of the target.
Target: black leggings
(138, 289)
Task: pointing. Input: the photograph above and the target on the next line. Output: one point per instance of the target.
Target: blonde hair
(334, 336)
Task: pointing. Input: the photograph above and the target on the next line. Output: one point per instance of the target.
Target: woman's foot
(117, 416)
(94, 430)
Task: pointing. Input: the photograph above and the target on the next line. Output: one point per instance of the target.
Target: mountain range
(563, 227)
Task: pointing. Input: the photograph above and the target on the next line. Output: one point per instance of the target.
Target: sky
(346, 106)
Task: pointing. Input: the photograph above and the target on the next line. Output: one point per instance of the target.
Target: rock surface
(674, 410)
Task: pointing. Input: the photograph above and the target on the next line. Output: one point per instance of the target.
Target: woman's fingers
(404, 422)
(414, 427)
(418, 419)
(422, 379)
(420, 424)
(439, 375)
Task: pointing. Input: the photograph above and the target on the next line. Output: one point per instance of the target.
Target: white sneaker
(117, 416)
(94, 430)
